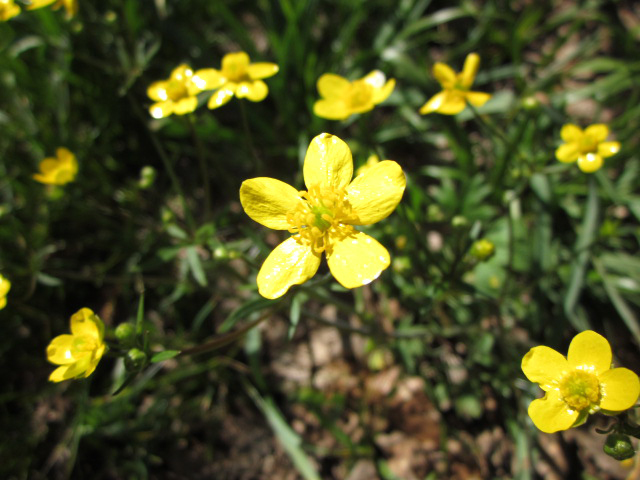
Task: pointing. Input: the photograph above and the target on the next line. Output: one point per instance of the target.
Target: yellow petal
(185, 105)
(220, 97)
(620, 389)
(257, 71)
(85, 322)
(356, 259)
(64, 155)
(3, 302)
(590, 351)
(255, 91)
(59, 351)
(33, 4)
(477, 99)
(433, 104)
(381, 94)
(607, 149)
(332, 86)
(234, 65)
(332, 109)
(328, 162)
(590, 162)
(59, 374)
(377, 192)
(470, 69)
(597, 132)
(568, 152)
(158, 91)
(452, 103)
(208, 79)
(444, 75)
(544, 366)
(95, 359)
(5, 286)
(267, 201)
(571, 133)
(290, 263)
(550, 414)
(49, 165)
(161, 109)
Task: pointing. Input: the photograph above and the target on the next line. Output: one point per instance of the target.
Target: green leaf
(195, 265)
(165, 355)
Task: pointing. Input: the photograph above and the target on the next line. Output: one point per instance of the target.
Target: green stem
(247, 133)
(204, 171)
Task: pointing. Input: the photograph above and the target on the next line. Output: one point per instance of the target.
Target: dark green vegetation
(415, 376)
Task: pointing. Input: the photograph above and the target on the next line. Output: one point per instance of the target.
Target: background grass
(415, 376)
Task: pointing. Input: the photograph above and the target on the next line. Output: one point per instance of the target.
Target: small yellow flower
(576, 386)
(5, 286)
(342, 98)
(177, 94)
(482, 249)
(59, 170)
(238, 77)
(455, 88)
(588, 147)
(78, 354)
(321, 219)
(8, 9)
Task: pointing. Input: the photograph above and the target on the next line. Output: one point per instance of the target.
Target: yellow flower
(71, 6)
(482, 249)
(59, 170)
(238, 77)
(8, 9)
(177, 94)
(78, 353)
(578, 385)
(342, 98)
(455, 88)
(588, 147)
(321, 219)
(5, 286)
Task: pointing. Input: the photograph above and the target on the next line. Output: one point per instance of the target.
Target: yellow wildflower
(59, 170)
(482, 249)
(588, 147)
(78, 354)
(342, 98)
(8, 9)
(576, 386)
(177, 94)
(321, 219)
(238, 77)
(5, 286)
(455, 88)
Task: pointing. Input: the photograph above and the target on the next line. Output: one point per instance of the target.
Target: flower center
(580, 390)
(360, 94)
(83, 344)
(235, 72)
(587, 144)
(176, 90)
(323, 212)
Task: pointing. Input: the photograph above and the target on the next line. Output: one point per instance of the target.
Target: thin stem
(204, 171)
(247, 133)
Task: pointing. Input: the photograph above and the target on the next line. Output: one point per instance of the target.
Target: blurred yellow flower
(238, 77)
(59, 170)
(8, 9)
(342, 98)
(78, 354)
(5, 286)
(177, 94)
(455, 88)
(482, 249)
(576, 386)
(588, 147)
(71, 6)
(321, 219)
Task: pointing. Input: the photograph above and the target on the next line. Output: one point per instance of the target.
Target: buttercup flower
(588, 147)
(8, 9)
(342, 98)
(71, 6)
(576, 386)
(322, 218)
(5, 286)
(455, 88)
(78, 354)
(238, 77)
(177, 94)
(59, 170)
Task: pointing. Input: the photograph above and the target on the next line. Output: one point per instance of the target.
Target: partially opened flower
(8, 9)
(237, 77)
(587, 146)
(322, 218)
(71, 6)
(342, 98)
(58, 170)
(580, 384)
(177, 94)
(5, 286)
(455, 88)
(78, 354)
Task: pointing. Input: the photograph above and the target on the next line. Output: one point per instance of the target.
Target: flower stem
(204, 171)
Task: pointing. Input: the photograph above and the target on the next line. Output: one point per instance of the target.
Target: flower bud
(125, 332)
(619, 447)
(482, 249)
(135, 359)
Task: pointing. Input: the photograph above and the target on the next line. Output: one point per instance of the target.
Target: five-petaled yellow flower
(342, 98)
(5, 286)
(71, 6)
(8, 9)
(588, 147)
(58, 170)
(576, 386)
(455, 88)
(177, 94)
(238, 77)
(321, 219)
(78, 354)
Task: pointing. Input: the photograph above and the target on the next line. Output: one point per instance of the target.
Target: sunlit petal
(220, 98)
(544, 366)
(257, 71)
(469, 70)
(332, 86)
(331, 109)
(444, 75)
(571, 133)
(597, 132)
(85, 322)
(185, 105)
(590, 162)
(267, 201)
(607, 149)
(382, 93)
(161, 109)
(590, 351)
(158, 91)
(477, 99)
(208, 79)
(568, 152)
(620, 389)
(60, 349)
(550, 414)
(328, 162)
(255, 91)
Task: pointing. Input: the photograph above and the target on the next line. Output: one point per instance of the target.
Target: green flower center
(580, 390)
(83, 344)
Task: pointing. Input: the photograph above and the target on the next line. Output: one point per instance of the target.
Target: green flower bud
(482, 249)
(147, 177)
(619, 447)
(135, 359)
(125, 332)
(459, 221)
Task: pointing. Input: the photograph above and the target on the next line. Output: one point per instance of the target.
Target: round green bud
(459, 221)
(482, 249)
(125, 332)
(530, 103)
(147, 177)
(619, 447)
(135, 359)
